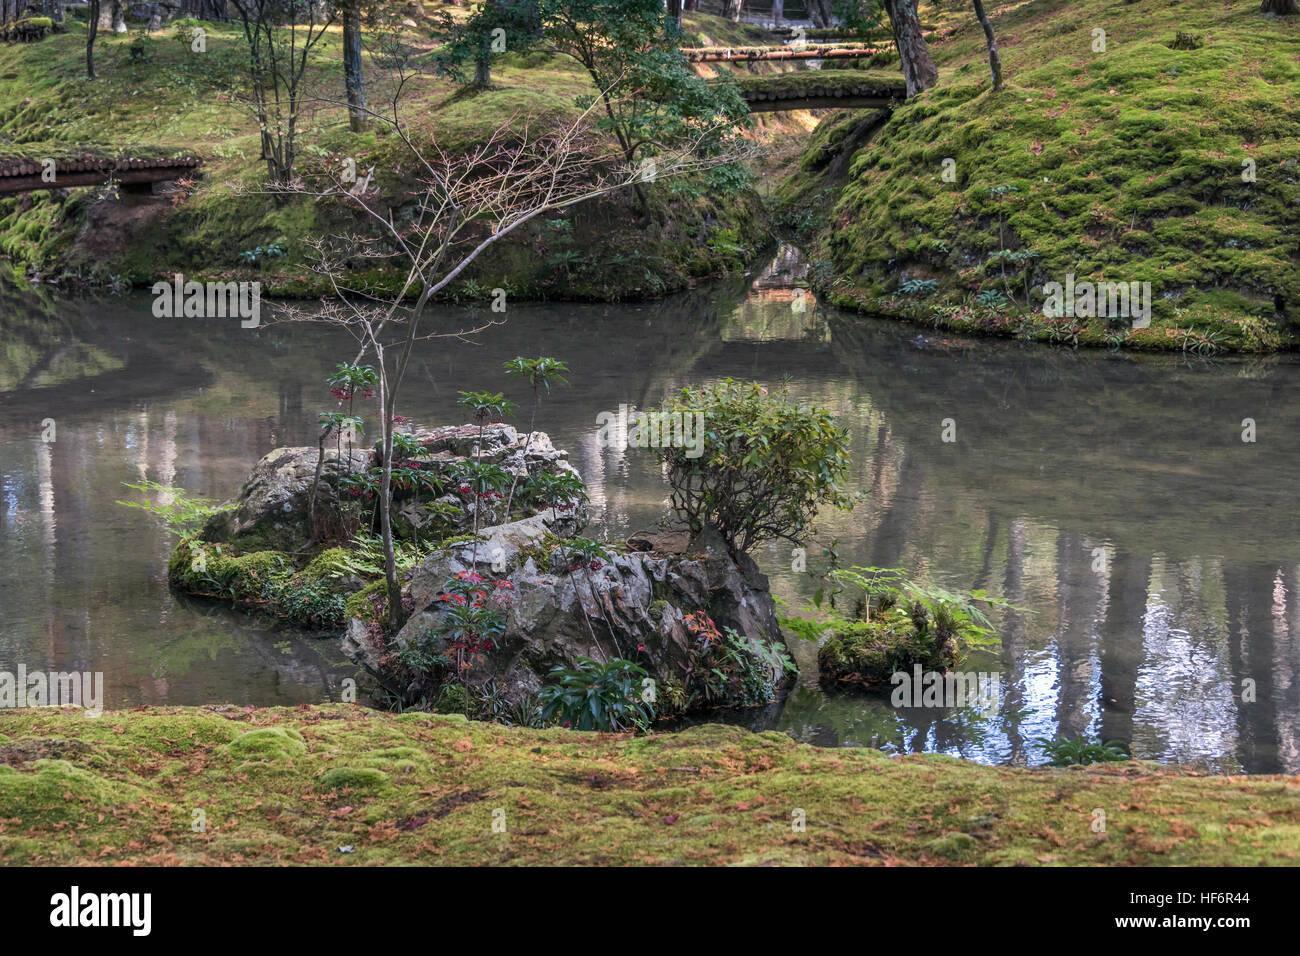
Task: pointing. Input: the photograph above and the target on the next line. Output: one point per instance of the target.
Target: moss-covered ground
(1133, 156)
(343, 785)
(173, 99)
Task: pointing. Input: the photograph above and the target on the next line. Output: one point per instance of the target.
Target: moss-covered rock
(198, 567)
(872, 651)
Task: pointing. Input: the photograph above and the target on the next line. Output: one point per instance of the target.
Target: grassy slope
(181, 99)
(1125, 165)
(293, 785)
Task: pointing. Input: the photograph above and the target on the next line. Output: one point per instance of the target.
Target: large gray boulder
(271, 510)
(633, 606)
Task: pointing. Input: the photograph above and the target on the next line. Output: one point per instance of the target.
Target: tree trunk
(675, 12)
(352, 78)
(822, 13)
(92, 29)
(918, 68)
(995, 61)
(732, 9)
(206, 10)
(1283, 8)
(778, 12)
(112, 15)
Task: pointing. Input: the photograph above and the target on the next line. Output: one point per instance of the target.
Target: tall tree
(995, 61)
(918, 69)
(822, 13)
(350, 11)
(732, 9)
(92, 28)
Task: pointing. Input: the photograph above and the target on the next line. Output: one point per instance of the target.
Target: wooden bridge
(822, 89)
(805, 51)
(29, 167)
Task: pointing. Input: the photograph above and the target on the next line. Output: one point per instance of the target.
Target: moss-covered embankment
(1134, 142)
(339, 784)
(153, 93)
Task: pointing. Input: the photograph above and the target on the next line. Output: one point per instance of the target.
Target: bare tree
(466, 203)
(995, 61)
(277, 68)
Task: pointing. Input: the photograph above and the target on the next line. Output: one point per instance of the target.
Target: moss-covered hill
(339, 784)
(1123, 165)
(153, 92)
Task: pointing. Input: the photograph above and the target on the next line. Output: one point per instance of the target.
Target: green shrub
(762, 466)
(1081, 752)
(595, 696)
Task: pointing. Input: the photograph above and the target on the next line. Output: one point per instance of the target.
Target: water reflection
(1110, 496)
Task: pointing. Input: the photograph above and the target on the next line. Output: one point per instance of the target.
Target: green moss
(957, 847)
(46, 110)
(708, 795)
(270, 743)
(199, 567)
(352, 778)
(330, 563)
(872, 651)
(1124, 166)
(358, 603)
(55, 791)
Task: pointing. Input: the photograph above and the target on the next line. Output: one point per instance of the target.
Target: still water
(1157, 555)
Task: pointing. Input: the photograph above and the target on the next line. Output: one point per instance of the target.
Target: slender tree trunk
(92, 29)
(821, 12)
(918, 69)
(1283, 8)
(995, 61)
(675, 12)
(352, 76)
(778, 12)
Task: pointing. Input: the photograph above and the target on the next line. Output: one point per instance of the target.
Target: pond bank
(339, 784)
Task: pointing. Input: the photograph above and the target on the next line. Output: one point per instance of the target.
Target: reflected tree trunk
(1121, 642)
(1251, 650)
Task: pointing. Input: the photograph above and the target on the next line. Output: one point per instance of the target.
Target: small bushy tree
(767, 464)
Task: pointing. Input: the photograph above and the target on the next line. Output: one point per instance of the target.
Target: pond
(1155, 553)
